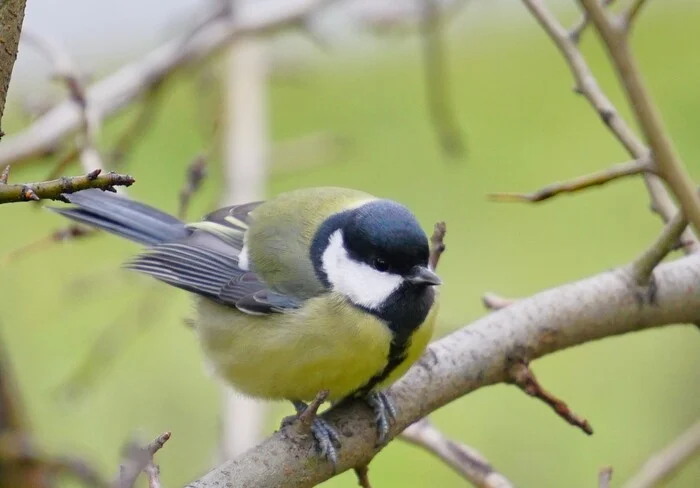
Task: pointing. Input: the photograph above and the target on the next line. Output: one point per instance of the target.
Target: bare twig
(152, 472)
(586, 85)
(641, 268)
(196, 172)
(604, 477)
(662, 465)
(629, 168)
(666, 159)
(522, 376)
(362, 474)
(66, 70)
(436, 81)
(55, 188)
(437, 244)
(463, 459)
(118, 90)
(138, 459)
(64, 234)
(306, 418)
(496, 302)
(629, 15)
(576, 31)
(15, 449)
(5, 175)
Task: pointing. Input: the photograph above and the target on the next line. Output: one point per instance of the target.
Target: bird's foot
(384, 414)
(326, 436)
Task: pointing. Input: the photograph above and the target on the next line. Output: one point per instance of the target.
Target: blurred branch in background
(604, 477)
(118, 90)
(463, 459)
(586, 85)
(664, 464)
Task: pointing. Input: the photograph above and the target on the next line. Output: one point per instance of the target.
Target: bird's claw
(384, 414)
(326, 436)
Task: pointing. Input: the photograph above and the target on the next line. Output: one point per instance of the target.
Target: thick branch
(667, 161)
(474, 357)
(663, 464)
(11, 18)
(118, 90)
(69, 184)
(463, 459)
(628, 168)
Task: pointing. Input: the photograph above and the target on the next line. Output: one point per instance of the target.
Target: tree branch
(586, 85)
(493, 301)
(604, 477)
(463, 459)
(138, 459)
(474, 357)
(11, 18)
(667, 161)
(666, 462)
(621, 170)
(115, 92)
(522, 376)
(52, 190)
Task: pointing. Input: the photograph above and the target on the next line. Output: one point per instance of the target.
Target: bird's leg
(384, 413)
(326, 436)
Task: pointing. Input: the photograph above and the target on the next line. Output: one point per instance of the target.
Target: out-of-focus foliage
(524, 128)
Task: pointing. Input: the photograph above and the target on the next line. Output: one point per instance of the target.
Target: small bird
(316, 290)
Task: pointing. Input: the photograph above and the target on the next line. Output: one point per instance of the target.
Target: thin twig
(306, 418)
(196, 172)
(620, 170)
(437, 244)
(628, 16)
(362, 474)
(137, 459)
(71, 232)
(586, 85)
(662, 465)
(55, 188)
(668, 163)
(496, 302)
(641, 268)
(5, 175)
(17, 449)
(436, 81)
(463, 459)
(66, 70)
(522, 376)
(604, 477)
(577, 30)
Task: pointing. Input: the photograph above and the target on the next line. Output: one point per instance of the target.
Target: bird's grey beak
(423, 275)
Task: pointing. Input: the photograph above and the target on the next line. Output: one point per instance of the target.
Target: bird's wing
(213, 274)
(206, 263)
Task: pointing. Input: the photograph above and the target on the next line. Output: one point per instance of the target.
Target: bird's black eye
(379, 264)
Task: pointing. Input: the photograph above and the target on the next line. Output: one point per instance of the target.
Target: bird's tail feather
(124, 217)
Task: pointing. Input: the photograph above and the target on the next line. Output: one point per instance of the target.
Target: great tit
(316, 289)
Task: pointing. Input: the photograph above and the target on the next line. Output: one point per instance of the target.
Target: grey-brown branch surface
(473, 357)
(52, 190)
(11, 18)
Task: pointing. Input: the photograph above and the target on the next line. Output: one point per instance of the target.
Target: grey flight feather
(201, 258)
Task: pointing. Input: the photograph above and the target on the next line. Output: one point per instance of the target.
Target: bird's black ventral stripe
(403, 312)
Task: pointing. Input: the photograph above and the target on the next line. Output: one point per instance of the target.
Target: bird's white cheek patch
(360, 282)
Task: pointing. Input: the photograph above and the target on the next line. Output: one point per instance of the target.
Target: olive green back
(279, 246)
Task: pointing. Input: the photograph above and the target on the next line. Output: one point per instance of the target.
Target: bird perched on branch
(319, 289)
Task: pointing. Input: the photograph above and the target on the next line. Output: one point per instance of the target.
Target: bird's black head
(386, 236)
(373, 253)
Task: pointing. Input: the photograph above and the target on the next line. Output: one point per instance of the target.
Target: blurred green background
(524, 128)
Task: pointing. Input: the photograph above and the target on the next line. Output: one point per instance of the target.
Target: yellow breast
(297, 354)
